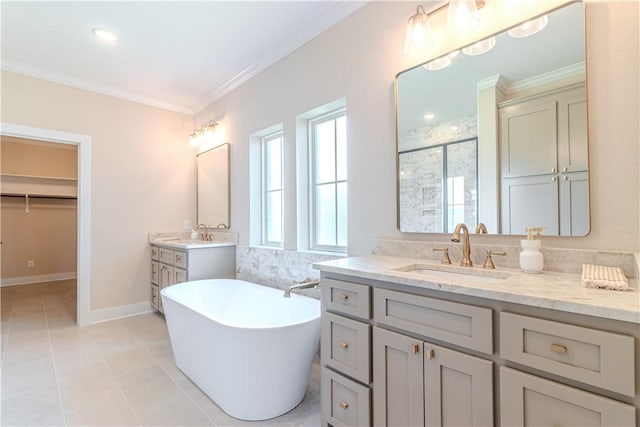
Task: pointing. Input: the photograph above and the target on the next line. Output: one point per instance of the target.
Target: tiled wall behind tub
(278, 268)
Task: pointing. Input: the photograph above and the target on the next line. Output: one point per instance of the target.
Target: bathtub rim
(165, 293)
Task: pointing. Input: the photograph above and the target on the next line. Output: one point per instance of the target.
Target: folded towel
(599, 276)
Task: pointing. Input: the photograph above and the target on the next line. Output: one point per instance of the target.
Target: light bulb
(462, 17)
(418, 38)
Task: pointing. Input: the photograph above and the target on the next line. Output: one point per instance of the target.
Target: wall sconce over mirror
(499, 138)
(208, 136)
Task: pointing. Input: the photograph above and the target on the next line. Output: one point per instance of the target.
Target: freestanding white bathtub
(245, 345)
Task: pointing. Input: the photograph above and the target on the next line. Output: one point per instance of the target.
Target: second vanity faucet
(466, 246)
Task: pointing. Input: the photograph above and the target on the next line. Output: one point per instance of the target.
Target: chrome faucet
(305, 284)
(466, 246)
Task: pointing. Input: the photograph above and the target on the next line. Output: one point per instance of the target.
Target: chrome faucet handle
(445, 255)
(488, 262)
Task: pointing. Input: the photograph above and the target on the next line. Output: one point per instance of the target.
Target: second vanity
(176, 261)
(407, 342)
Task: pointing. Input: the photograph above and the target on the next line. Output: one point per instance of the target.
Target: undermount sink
(453, 272)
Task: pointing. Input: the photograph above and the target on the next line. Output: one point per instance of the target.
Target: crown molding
(577, 69)
(63, 79)
(321, 24)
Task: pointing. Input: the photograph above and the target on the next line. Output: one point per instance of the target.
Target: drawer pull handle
(431, 353)
(415, 348)
(344, 345)
(557, 348)
(344, 405)
(344, 296)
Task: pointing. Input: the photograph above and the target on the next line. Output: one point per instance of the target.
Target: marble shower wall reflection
(438, 176)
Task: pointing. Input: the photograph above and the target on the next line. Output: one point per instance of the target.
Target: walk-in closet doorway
(46, 209)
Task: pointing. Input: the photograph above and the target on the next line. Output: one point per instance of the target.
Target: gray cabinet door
(397, 380)
(528, 138)
(458, 388)
(527, 400)
(530, 200)
(574, 204)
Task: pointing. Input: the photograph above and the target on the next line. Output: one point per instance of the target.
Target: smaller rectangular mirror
(212, 187)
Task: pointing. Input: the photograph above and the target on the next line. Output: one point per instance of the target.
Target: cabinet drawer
(180, 259)
(179, 275)
(599, 358)
(165, 256)
(154, 272)
(155, 295)
(346, 297)
(345, 403)
(458, 324)
(346, 345)
(154, 253)
(527, 400)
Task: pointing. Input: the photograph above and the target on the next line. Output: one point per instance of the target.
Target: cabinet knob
(415, 348)
(553, 178)
(344, 405)
(553, 170)
(344, 345)
(344, 296)
(565, 169)
(566, 178)
(431, 353)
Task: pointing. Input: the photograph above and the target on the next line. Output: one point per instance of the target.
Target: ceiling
(178, 55)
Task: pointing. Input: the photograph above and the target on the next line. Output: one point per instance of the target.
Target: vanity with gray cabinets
(398, 349)
(176, 262)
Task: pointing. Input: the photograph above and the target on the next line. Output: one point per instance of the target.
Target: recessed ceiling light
(104, 35)
(429, 116)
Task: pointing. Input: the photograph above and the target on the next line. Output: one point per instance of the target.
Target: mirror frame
(227, 223)
(494, 34)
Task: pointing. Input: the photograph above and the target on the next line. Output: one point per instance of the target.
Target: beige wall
(47, 233)
(359, 58)
(141, 173)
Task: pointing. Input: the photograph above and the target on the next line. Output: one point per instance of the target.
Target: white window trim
(331, 115)
(264, 191)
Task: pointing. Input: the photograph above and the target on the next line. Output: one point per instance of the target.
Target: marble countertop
(557, 291)
(177, 243)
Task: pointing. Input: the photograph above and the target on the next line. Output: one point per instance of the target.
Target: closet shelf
(11, 184)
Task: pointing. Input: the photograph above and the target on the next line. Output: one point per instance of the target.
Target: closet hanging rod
(35, 196)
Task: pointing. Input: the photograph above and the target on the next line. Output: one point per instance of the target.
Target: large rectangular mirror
(498, 138)
(212, 187)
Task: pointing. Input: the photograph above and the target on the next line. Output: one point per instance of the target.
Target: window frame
(312, 123)
(264, 191)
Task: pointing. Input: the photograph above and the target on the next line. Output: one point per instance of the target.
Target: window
(328, 182)
(271, 189)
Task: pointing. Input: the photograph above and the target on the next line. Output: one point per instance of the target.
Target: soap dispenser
(531, 260)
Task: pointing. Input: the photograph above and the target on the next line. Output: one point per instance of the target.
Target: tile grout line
(214, 424)
(55, 365)
(113, 377)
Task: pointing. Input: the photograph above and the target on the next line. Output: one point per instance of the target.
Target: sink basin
(451, 272)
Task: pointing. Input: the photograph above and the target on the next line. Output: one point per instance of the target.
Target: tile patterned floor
(117, 373)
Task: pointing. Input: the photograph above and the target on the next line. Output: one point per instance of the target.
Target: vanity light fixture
(419, 38)
(529, 28)
(478, 48)
(462, 16)
(104, 35)
(204, 134)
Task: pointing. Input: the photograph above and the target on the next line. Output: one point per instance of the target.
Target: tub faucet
(466, 246)
(305, 284)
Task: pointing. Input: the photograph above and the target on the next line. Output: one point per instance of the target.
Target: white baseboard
(41, 278)
(113, 313)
